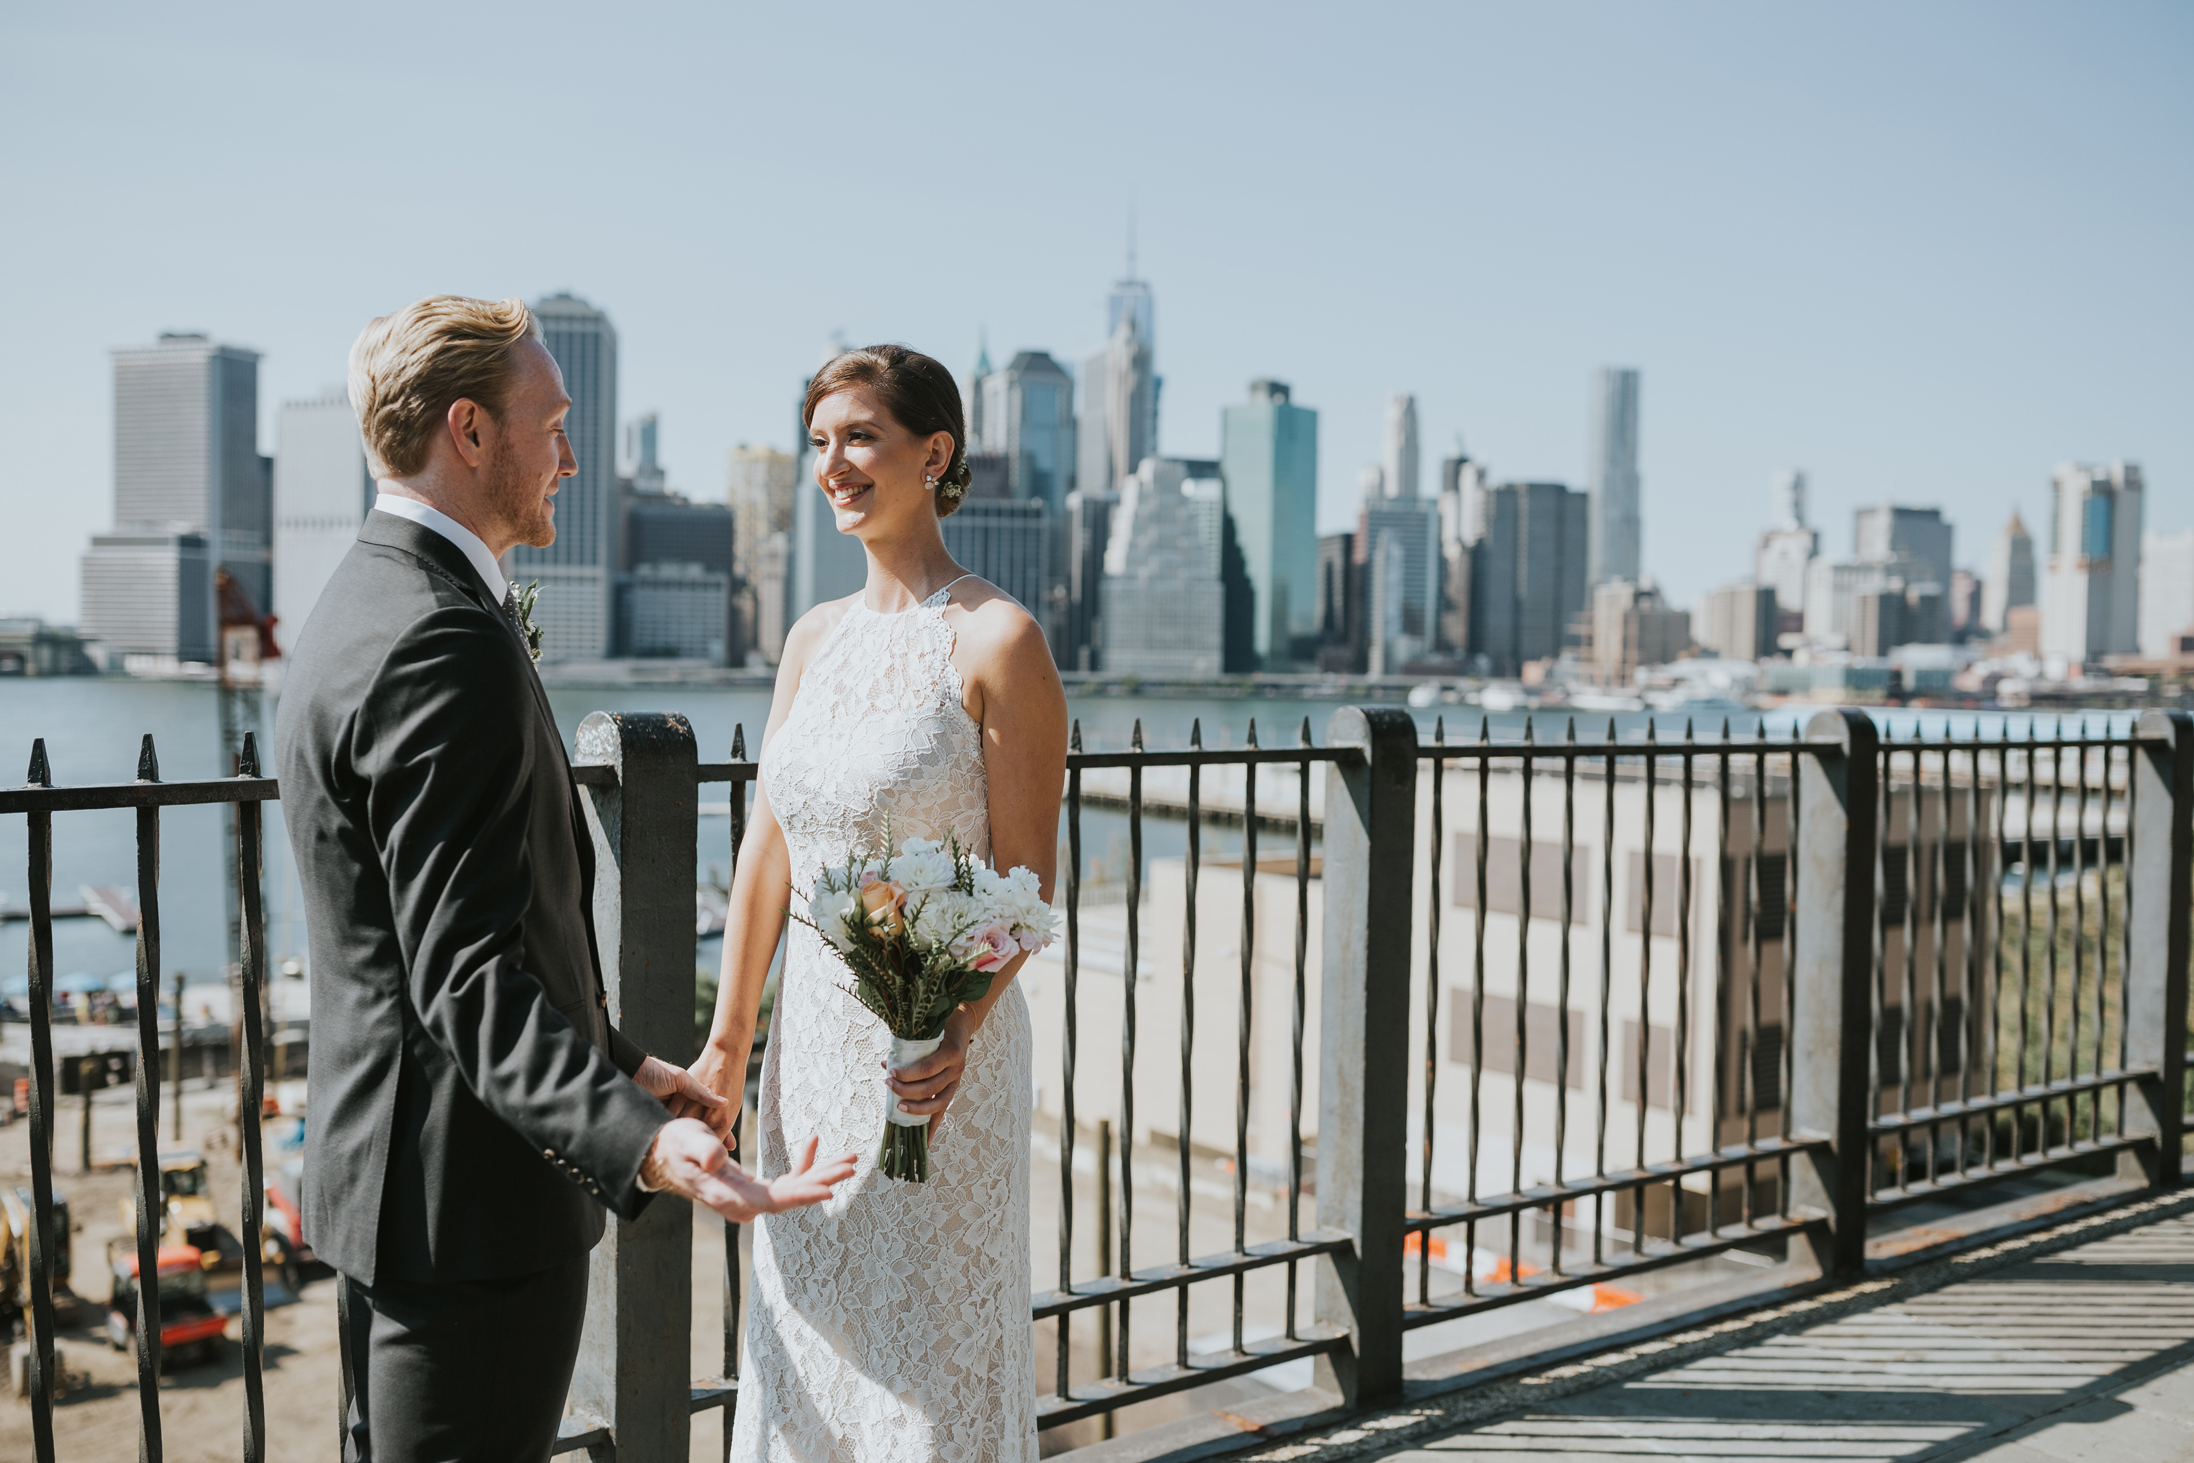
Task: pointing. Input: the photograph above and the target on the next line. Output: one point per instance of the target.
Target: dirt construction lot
(202, 1404)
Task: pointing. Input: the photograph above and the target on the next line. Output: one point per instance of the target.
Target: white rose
(924, 871)
(937, 918)
(830, 909)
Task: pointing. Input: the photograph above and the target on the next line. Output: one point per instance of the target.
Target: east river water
(92, 727)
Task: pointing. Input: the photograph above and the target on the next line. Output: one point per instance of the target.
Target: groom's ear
(467, 425)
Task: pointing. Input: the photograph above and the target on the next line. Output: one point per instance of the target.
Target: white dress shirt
(483, 562)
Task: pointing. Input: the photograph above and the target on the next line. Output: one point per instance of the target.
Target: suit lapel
(443, 558)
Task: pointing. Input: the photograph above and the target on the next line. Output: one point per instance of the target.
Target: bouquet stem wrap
(905, 1150)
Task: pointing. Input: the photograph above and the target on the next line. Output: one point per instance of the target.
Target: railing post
(1838, 788)
(1363, 1079)
(634, 1371)
(2162, 776)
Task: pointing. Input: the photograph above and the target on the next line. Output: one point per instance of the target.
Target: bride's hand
(712, 1069)
(685, 1094)
(928, 1085)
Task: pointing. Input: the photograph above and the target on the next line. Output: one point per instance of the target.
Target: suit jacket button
(549, 1154)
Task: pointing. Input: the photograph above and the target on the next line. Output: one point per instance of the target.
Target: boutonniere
(526, 627)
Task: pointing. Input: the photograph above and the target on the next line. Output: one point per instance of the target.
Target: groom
(473, 1111)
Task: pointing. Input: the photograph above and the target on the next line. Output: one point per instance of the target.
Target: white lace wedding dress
(890, 1322)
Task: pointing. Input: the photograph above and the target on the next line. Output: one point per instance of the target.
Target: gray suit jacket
(471, 1110)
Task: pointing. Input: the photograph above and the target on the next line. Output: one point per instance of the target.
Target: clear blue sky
(1924, 252)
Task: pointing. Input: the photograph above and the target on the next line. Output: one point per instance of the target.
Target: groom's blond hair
(409, 368)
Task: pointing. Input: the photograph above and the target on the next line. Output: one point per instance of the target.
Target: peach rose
(884, 902)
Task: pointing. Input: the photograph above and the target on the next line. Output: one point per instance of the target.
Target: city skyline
(1824, 286)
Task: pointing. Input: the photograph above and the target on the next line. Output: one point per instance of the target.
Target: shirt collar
(483, 562)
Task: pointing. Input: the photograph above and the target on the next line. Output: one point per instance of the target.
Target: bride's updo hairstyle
(919, 393)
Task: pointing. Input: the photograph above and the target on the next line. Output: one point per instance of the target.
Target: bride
(892, 1321)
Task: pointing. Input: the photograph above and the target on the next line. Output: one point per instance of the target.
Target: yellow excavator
(15, 1225)
(187, 1218)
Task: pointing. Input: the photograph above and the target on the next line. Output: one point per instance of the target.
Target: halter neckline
(935, 600)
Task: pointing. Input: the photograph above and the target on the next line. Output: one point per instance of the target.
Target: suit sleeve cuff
(625, 1052)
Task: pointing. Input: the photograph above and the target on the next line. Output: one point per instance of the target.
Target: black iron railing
(38, 800)
(1587, 1208)
(1849, 982)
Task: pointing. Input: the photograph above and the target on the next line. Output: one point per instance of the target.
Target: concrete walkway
(2082, 1354)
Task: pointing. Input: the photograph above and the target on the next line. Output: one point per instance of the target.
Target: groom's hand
(687, 1158)
(679, 1090)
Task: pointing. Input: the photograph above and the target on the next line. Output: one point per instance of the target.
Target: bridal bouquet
(923, 930)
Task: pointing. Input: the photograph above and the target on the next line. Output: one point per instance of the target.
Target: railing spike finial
(1725, 731)
(1485, 730)
(247, 761)
(1439, 731)
(1611, 731)
(1196, 734)
(1135, 738)
(1074, 737)
(148, 761)
(1688, 738)
(1304, 735)
(1253, 731)
(1530, 735)
(738, 741)
(40, 774)
(1569, 731)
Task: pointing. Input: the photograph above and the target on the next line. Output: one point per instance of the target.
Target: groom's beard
(522, 503)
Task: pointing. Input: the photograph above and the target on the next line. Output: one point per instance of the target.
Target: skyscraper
(1835, 587)
(1780, 557)
(1119, 408)
(2167, 591)
(1028, 416)
(191, 495)
(1741, 622)
(1397, 548)
(578, 573)
(642, 435)
(1164, 598)
(1119, 424)
(1400, 462)
(975, 389)
(760, 485)
(1611, 476)
(1268, 457)
(2009, 582)
(1087, 529)
(2094, 563)
(1887, 532)
(1632, 627)
(1462, 498)
(1008, 542)
(1462, 517)
(1342, 606)
(1130, 299)
(1527, 573)
(322, 492)
(1790, 498)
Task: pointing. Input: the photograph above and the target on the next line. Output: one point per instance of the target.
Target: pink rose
(995, 948)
